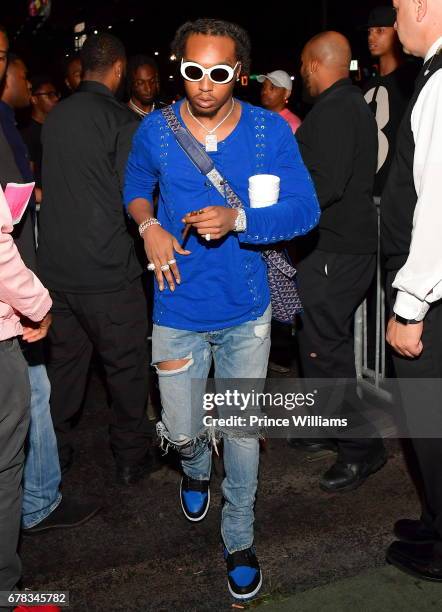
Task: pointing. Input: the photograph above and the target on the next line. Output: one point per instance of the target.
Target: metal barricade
(371, 378)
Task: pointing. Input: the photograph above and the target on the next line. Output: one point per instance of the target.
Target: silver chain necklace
(211, 138)
(139, 110)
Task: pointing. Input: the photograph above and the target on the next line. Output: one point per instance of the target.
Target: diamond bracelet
(147, 223)
(240, 221)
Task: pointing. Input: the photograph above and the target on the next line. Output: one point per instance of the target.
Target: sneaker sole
(36, 530)
(359, 483)
(190, 518)
(248, 595)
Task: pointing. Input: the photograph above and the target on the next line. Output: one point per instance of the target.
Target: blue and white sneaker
(244, 577)
(195, 498)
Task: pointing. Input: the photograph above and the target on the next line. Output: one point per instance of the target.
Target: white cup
(264, 182)
(262, 200)
(263, 190)
(264, 193)
(254, 204)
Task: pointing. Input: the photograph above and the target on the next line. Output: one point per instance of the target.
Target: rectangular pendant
(211, 143)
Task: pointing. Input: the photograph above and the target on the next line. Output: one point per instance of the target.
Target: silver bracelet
(240, 221)
(147, 223)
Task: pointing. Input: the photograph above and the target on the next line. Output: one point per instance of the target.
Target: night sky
(278, 34)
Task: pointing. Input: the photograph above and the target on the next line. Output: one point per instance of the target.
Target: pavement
(379, 590)
(319, 552)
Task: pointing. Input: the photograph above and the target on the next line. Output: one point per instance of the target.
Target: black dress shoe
(415, 532)
(312, 445)
(130, 474)
(275, 367)
(68, 513)
(418, 560)
(342, 477)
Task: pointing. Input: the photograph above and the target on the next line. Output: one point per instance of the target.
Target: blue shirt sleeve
(297, 210)
(142, 175)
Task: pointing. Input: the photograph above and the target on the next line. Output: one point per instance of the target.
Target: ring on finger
(171, 262)
(151, 267)
(165, 268)
(207, 237)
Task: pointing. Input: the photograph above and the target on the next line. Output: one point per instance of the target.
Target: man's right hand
(33, 332)
(160, 247)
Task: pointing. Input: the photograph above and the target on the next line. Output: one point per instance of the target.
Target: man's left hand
(214, 220)
(405, 339)
(33, 332)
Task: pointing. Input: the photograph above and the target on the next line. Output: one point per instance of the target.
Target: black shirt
(338, 142)
(84, 244)
(31, 134)
(388, 97)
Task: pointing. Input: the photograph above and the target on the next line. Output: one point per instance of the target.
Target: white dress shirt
(419, 281)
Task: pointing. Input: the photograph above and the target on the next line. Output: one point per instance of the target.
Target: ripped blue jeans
(237, 352)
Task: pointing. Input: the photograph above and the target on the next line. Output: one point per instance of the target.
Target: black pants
(428, 451)
(15, 396)
(115, 325)
(331, 286)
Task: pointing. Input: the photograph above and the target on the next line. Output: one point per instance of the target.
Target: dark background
(278, 31)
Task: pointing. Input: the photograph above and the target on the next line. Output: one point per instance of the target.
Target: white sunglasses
(219, 74)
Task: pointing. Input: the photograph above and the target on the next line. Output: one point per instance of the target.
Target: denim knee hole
(163, 372)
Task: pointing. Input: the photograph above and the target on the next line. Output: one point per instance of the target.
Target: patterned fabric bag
(286, 303)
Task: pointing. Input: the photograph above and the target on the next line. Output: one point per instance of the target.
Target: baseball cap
(382, 17)
(279, 78)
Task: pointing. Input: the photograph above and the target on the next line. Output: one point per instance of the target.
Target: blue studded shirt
(224, 283)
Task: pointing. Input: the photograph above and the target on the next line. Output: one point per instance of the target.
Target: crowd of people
(122, 187)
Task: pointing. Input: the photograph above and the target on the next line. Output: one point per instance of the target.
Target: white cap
(279, 78)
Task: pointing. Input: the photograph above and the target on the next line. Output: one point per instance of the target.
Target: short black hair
(39, 80)
(3, 30)
(215, 27)
(137, 61)
(69, 60)
(100, 52)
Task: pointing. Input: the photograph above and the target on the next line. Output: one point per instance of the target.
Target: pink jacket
(20, 290)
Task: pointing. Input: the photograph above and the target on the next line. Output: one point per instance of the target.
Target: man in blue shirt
(212, 297)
